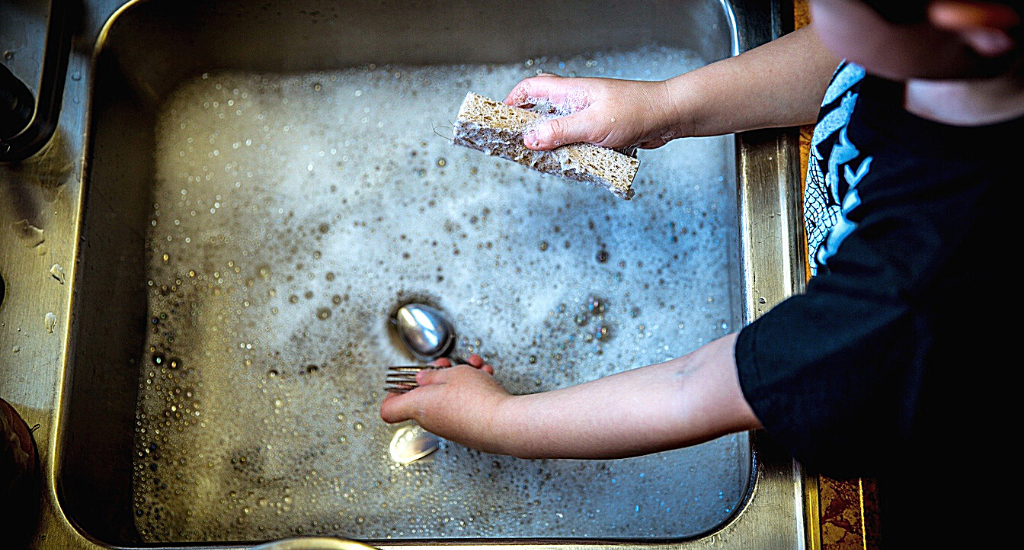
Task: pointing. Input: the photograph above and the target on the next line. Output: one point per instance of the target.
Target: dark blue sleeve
(864, 364)
(827, 372)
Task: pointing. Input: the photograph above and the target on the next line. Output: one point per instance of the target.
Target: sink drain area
(289, 212)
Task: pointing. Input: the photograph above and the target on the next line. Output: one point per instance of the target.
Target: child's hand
(457, 403)
(606, 112)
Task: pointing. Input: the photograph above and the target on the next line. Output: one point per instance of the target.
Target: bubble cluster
(293, 213)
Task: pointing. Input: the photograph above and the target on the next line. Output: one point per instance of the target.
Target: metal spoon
(411, 443)
(426, 332)
(428, 335)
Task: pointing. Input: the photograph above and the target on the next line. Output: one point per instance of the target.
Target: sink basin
(266, 183)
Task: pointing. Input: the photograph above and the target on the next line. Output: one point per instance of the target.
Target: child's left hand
(457, 403)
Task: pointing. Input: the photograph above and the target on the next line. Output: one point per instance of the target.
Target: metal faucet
(28, 123)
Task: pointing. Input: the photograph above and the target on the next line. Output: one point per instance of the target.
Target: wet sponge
(497, 129)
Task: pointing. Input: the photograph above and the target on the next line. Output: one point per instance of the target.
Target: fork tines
(402, 378)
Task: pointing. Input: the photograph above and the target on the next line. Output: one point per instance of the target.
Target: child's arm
(778, 84)
(669, 405)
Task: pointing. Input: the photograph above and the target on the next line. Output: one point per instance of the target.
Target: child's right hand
(606, 112)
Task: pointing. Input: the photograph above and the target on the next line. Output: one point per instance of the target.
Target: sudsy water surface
(293, 213)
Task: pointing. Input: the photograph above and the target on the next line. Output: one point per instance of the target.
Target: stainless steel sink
(197, 293)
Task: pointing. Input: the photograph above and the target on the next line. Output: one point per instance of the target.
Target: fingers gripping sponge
(497, 129)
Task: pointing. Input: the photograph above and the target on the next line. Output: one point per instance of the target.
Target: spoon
(411, 443)
(428, 335)
(426, 332)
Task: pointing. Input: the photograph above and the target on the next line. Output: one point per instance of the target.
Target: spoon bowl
(425, 331)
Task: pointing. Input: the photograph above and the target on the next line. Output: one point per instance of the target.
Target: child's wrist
(502, 427)
(682, 105)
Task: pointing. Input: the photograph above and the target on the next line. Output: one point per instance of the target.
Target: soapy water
(293, 213)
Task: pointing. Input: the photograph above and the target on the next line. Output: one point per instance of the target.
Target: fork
(402, 378)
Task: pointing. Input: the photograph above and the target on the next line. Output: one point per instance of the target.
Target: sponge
(497, 129)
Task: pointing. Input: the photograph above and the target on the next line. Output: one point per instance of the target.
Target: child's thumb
(556, 132)
(400, 407)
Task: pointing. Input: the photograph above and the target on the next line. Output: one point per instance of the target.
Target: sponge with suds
(497, 129)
